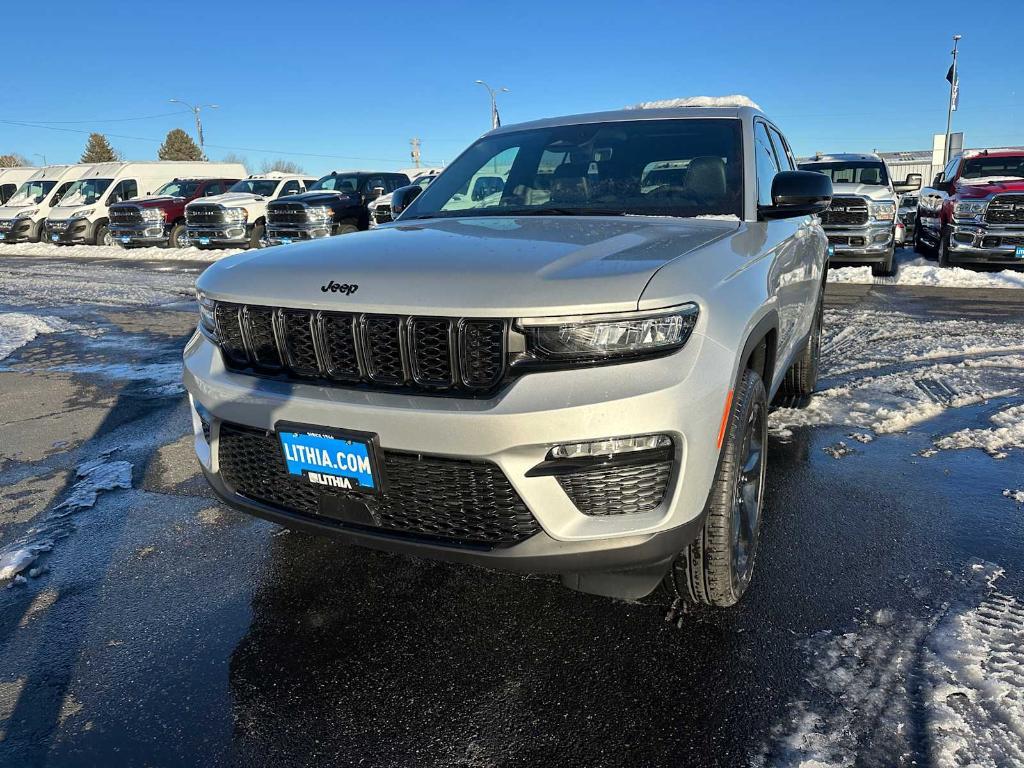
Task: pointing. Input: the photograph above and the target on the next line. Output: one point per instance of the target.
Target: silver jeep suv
(568, 375)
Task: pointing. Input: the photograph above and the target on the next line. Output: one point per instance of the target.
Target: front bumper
(16, 230)
(70, 231)
(288, 233)
(981, 244)
(219, 235)
(870, 243)
(513, 430)
(146, 233)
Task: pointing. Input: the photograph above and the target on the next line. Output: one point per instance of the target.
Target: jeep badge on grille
(347, 288)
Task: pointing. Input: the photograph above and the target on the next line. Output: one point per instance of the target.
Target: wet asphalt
(165, 629)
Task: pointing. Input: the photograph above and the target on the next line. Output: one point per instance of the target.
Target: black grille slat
(229, 328)
(432, 346)
(259, 328)
(382, 348)
(286, 213)
(482, 352)
(300, 348)
(452, 500)
(338, 333)
(125, 214)
(853, 212)
(626, 490)
(203, 214)
(1005, 209)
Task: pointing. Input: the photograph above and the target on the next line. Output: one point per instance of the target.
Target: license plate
(125, 239)
(1019, 253)
(55, 238)
(3, 236)
(831, 250)
(286, 241)
(333, 460)
(204, 241)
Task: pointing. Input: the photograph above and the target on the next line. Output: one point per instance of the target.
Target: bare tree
(282, 166)
(13, 160)
(231, 157)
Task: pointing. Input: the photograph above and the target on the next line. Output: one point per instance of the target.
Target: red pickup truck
(973, 213)
(160, 219)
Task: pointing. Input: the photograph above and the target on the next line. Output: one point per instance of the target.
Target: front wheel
(178, 236)
(256, 235)
(919, 244)
(346, 229)
(717, 567)
(885, 268)
(103, 236)
(944, 249)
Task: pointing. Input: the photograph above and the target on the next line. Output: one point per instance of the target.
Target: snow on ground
(18, 328)
(153, 253)
(1008, 432)
(943, 688)
(1015, 495)
(916, 270)
(50, 284)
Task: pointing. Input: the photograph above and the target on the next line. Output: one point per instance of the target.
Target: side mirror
(797, 193)
(937, 181)
(911, 184)
(402, 197)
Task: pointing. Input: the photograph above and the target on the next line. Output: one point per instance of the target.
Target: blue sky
(343, 85)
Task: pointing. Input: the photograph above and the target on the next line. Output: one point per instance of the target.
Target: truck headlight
(85, 214)
(608, 337)
(207, 315)
(153, 214)
(882, 211)
(969, 210)
(319, 213)
(27, 214)
(236, 215)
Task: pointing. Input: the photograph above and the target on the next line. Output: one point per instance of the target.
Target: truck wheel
(885, 268)
(40, 233)
(103, 236)
(346, 229)
(716, 568)
(256, 236)
(944, 249)
(919, 244)
(802, 376)
(178, 237)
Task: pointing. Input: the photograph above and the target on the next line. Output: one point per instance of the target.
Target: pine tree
(179, 146)
(98, 150)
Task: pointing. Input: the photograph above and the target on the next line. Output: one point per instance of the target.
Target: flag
(949, 75)
(953, 78)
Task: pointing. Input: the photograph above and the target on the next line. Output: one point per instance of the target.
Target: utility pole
(36, 154)
(495, 118)
(414, 142)
(954, 86)
(195, 111)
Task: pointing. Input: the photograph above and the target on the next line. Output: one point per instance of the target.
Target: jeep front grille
(286, 213)
(440, 354)
(1006, 209)
(845, 212)
(454, 500)
(204, 214)
(125, 215)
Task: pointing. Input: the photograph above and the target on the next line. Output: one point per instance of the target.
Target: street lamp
(36, 154)
(495, 119)
(195, 111)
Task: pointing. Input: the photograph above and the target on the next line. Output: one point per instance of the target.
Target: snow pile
(913, 270)
(20, 557)
(18, 328)
(150, 253)
(736, 100)
(1007, 433)
(95, 476)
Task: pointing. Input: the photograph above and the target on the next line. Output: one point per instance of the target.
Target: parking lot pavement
(153, 626)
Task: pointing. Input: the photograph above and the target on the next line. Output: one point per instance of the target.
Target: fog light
(610, 446)
(881, 238)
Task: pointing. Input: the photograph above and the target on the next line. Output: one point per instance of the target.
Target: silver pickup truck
(569, 376)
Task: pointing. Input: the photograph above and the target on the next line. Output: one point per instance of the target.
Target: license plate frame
(313, 435)
(1019, 252)
(203, 240)
(126, 239)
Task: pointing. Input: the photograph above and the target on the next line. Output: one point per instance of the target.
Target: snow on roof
(735, 100)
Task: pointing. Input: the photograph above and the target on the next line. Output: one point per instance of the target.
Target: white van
(81, 216)
(11, 179)
(23, 216)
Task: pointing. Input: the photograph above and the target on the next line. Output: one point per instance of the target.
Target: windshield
(338, 183)
(676, 167)
(423, 181)
(31, 193)
(262, 187)
(178, 189)
(85, 192)
(872, 174)
(993, 168)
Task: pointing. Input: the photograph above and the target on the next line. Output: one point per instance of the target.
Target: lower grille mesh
(624, 490)
(449, 499)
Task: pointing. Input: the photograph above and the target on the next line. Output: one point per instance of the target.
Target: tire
(715, 570)
(256, 236)
(943, 249)
(103, 236)
(802, 376)
(40, 234)
(886, 268)
(920, 246)
(346, 229)
(178, 233)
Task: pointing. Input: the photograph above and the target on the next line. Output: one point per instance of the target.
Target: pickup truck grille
(845, 212)
(382, 214)
(125, 214)
(286, 213)
(204, 214)
(434, 354)
(1006, 209)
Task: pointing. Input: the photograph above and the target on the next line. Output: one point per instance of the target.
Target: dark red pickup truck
(973, 213)
(160, 219)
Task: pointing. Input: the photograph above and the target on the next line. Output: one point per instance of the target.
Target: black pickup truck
(334, 205)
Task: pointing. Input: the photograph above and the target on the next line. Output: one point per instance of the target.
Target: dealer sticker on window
(331, 461)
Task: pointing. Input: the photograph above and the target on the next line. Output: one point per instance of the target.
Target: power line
(105, 120)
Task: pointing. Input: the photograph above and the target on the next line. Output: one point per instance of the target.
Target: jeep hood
(872, 191)
(471, 266)
(971, 188)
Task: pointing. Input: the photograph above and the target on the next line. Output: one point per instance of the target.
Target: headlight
(27, 214)
(153, 214)
(85, 214)
(611, 336)
(319, 212)
(882, 211)
(207, 315)
(969, 210)
(236, 214)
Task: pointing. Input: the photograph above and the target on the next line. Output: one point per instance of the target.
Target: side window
(6, 190)
(125, 189)
(373, 182)
(290, 188)
(394, 183)
(61, 189)
(213, 188)
(782, 153)
(951, 170)
(764, 158)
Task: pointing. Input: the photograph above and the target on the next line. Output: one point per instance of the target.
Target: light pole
(953, 86)
(36, 154)
(495, 119)
(195, 111)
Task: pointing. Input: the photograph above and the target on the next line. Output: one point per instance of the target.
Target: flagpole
(949, 112)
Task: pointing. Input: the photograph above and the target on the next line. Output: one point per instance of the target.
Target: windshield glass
(676, 167)
(85, 192)
(263, 187)
(423, 181)
(993, 168)
(31, 193)
(338, 183)
(873, 174)
(178, 189)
